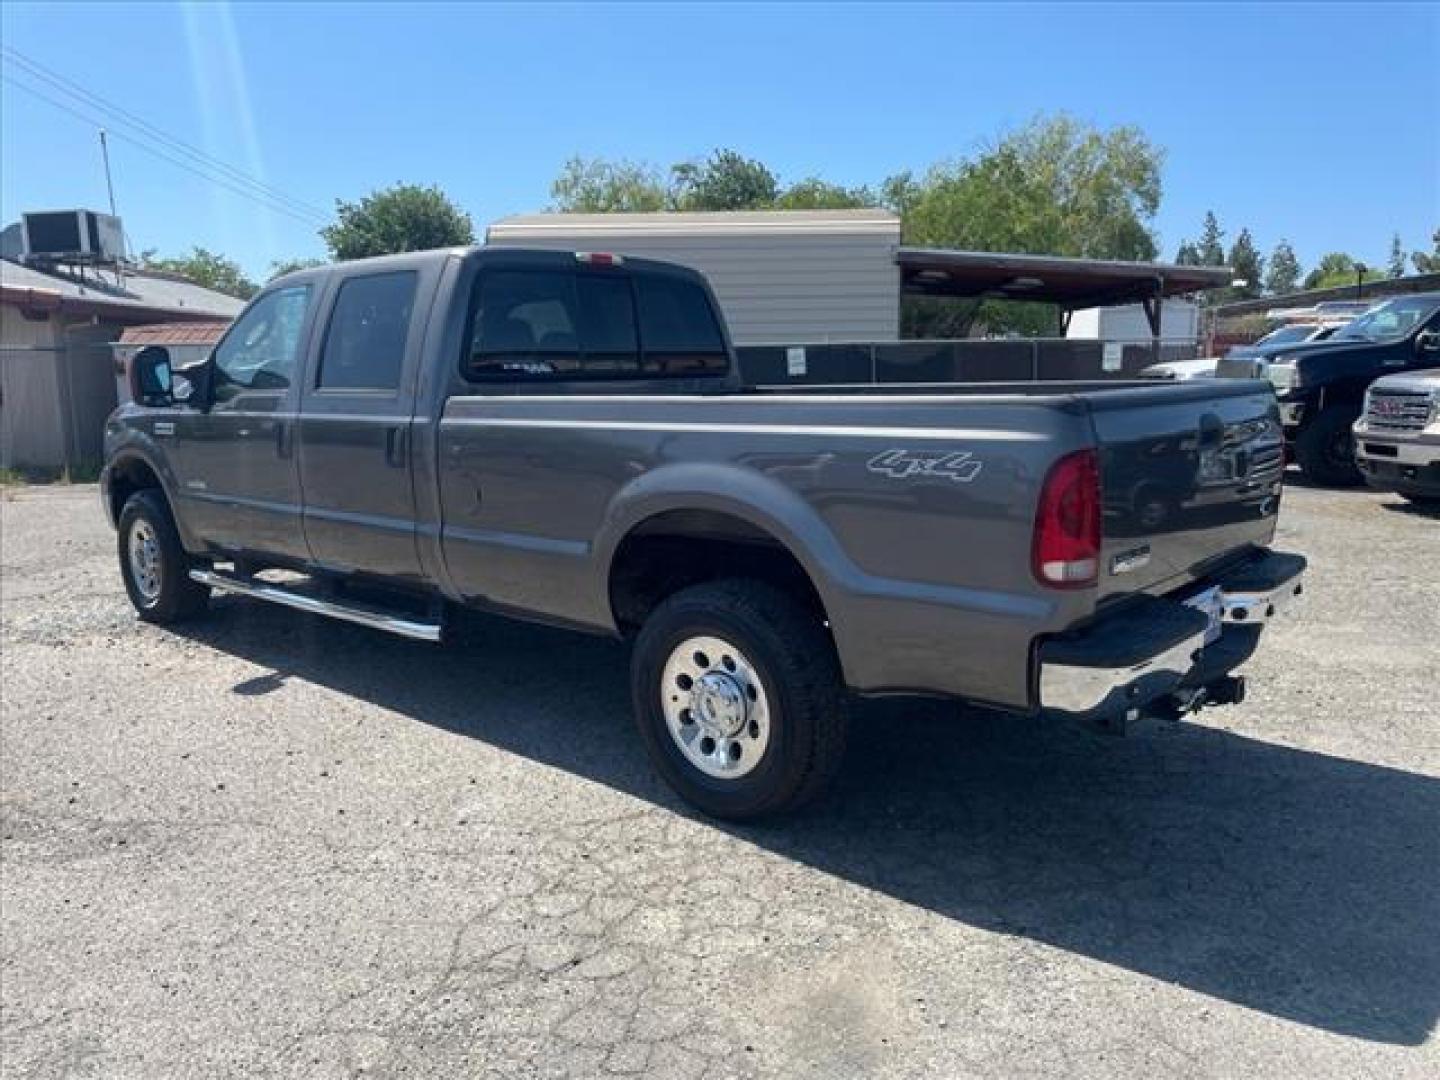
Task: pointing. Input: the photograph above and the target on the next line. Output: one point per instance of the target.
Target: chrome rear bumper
(1159, 643)
(1259, 606)
(1073, 688)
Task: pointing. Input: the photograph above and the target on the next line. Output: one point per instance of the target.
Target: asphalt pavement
(272, 845)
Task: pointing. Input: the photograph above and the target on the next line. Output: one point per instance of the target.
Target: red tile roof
(174, 333)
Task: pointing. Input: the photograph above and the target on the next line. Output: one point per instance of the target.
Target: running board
(364, 616)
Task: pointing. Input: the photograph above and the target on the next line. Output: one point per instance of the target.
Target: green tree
(598, 186)
(205, 267)
(900, 192)
(812, 193)
(1211, 248)
(280, 267)
(1427, 262)
(1056, 186)
(1249, 267)
(1397, 257)
(1336, 269)
(725, 181)
(406, 217)
(1187, 254)
(1283, 275)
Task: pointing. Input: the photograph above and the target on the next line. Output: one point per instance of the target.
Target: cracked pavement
(268, 845)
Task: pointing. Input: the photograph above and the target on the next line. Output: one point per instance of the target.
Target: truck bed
(911, 507)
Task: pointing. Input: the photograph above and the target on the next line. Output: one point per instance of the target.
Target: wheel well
(128, 477)
(680, 548)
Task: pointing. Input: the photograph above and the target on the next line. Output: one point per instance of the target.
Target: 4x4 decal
(959, 466)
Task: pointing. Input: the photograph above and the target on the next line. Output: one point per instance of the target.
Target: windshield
(1391, 320)
(1287, 334)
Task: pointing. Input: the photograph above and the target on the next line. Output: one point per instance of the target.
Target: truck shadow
(1420, 510)
(1298, 884)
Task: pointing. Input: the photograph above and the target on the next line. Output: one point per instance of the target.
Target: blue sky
(1318, 123)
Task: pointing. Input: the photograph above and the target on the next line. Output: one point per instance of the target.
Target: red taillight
(1066, 549)
(598, 258)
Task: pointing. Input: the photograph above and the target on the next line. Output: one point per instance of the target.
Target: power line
(265, 201)
(119, 116)
(124, 117)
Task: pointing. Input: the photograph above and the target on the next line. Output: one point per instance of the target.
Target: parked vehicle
(1202, 367)
(1290, 334)
(1321, 385)
(1397, 438)
(563, 437)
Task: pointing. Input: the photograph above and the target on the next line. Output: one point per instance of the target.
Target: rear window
(538, 324)
(678, 328)
(365, 343)
(607, 324)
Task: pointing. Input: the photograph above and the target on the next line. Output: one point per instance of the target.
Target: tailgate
(1189, 474)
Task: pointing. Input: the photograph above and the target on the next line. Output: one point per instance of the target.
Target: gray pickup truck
(563, 437)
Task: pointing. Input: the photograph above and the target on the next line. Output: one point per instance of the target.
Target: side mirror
(1427, 341)
(151, 381)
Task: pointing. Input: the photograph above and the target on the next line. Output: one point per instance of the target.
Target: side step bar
(364, 616)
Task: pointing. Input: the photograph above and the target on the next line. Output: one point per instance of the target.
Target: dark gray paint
(519, 495)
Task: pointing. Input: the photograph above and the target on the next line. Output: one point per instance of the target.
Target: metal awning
(1069, 284)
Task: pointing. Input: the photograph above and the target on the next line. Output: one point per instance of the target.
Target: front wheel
(153, 562)
(739, 698)
(1325, 449)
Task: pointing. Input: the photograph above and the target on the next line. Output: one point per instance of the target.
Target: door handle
(395, 446)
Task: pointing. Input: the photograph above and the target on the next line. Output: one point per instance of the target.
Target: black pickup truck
(1321, 384)
(563, 437)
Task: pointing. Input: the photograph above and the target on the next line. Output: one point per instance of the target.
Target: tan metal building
(781, 276)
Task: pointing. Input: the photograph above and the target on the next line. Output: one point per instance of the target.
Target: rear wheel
(1325, 449)
(739, 698)
(153, 563)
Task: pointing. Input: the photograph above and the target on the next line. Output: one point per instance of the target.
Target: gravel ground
(273, 845)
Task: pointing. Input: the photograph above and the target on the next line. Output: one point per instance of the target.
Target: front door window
(260, 351)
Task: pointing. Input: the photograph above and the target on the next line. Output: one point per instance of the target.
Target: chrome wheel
(715, 707)
(145, 560)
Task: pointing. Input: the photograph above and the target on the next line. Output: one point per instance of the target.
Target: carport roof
(1049, 279)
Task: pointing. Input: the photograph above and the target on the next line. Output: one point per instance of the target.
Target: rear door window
(369, 325)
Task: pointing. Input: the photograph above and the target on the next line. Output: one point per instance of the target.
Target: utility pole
(109, 184)
(110, 188)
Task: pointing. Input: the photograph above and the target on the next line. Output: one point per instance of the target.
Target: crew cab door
(238, 486)
(355, 442)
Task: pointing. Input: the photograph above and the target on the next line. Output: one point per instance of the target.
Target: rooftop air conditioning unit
(72, 236)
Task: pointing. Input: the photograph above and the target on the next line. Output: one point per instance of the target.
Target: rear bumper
(1157, 646)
